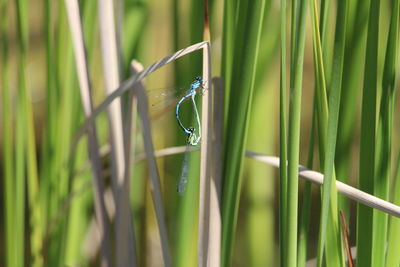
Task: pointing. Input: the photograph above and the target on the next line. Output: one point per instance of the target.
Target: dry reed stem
(351, 192)
(214, 243)
(85, 90)
(206, 170)
(310, 175)
(125, 255)
(155, 184)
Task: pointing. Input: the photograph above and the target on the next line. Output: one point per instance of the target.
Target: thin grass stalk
(130, 127)
(322, 115)
(228, 44)
(206, 159)
(20, 185)
(306, 207)
(368, 138)
(324, 37)
(393, 255)
(352, 74)
(7, 137)
(294, 23)
(282, 139)
(29, 136)
(384, 139)
(329, 195)
(124, 240)
(54, 181)
(346, 240)
(51, 107)
(294, 137)
(323, 20)
(80, 58)
(246, 52)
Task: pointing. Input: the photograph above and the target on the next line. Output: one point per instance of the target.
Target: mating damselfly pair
(192, 133)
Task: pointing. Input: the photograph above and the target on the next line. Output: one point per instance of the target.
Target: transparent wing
(164, 99)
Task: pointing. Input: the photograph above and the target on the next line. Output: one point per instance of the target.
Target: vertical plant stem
(7, 137)
(28, 134)
(294, 136)
(206, 158)
(352, 70)
(228, 42)
(124, 240)
(246, 51)
(329, 195)
(367, 140)
(384, 139)
(306, 208)
(393, 255)
(282, 140)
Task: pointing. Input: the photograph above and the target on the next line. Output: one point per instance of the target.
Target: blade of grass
(228, 41)
(243, 74)
(7, 137)
(352, 74)
(306, 208)
(367, 140)
(329, 195)
(384, 139)
(294, 135)
(393, 255)
(282, 139)
(28, 134)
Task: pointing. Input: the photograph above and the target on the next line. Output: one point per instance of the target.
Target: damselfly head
(198, 79)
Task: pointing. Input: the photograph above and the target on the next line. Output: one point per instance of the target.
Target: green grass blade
(228, 44)
(7, 138)
(329, 195)
(352, 74)
(306, 207)
(29, 135)
(294, 135)
(393, 255)
(384, 140)
(367, 140)
(246, 50)
(282, 139)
